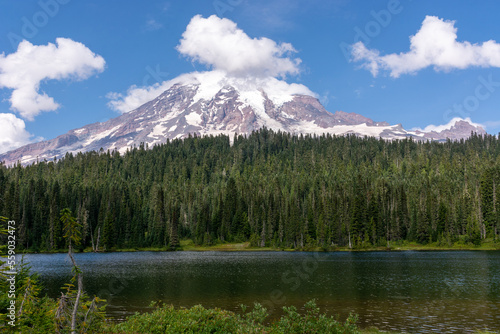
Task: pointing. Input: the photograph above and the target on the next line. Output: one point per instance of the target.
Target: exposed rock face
(461, 129)
(179, 111)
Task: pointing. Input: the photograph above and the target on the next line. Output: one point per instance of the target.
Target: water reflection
(416, 292)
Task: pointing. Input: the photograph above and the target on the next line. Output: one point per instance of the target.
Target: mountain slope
(209, 104)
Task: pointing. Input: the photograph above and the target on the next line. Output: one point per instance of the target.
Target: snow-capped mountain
(209, 104)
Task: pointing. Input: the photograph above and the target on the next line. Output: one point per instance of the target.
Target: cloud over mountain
(24, 70)
(436, 45)
(135, 96)
(234, 58)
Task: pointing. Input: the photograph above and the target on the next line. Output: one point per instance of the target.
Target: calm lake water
(417, 292)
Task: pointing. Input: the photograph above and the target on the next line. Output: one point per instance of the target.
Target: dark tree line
(273, 189)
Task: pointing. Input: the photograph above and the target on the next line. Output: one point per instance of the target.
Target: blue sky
(125, 43)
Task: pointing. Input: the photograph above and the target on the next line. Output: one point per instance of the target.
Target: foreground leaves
(167, 319)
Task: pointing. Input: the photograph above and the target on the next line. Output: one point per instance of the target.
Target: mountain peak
(461, 129)
(209, 103)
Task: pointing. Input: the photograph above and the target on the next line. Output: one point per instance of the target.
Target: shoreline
(189, 246)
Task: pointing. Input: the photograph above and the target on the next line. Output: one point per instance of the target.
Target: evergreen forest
(271, 189)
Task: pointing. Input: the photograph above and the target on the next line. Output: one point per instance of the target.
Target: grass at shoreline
(189, 245)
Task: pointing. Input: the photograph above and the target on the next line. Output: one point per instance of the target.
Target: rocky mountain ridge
(186, 109)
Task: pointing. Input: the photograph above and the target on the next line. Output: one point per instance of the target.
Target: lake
(417, 292)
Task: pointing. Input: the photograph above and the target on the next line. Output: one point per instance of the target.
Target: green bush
(197, 319)
(312, 322)
(167, 319)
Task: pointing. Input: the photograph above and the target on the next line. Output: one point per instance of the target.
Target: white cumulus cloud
(24, 70)
(221, 45)
(13, 134)
(248, 64)
(436, 45)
